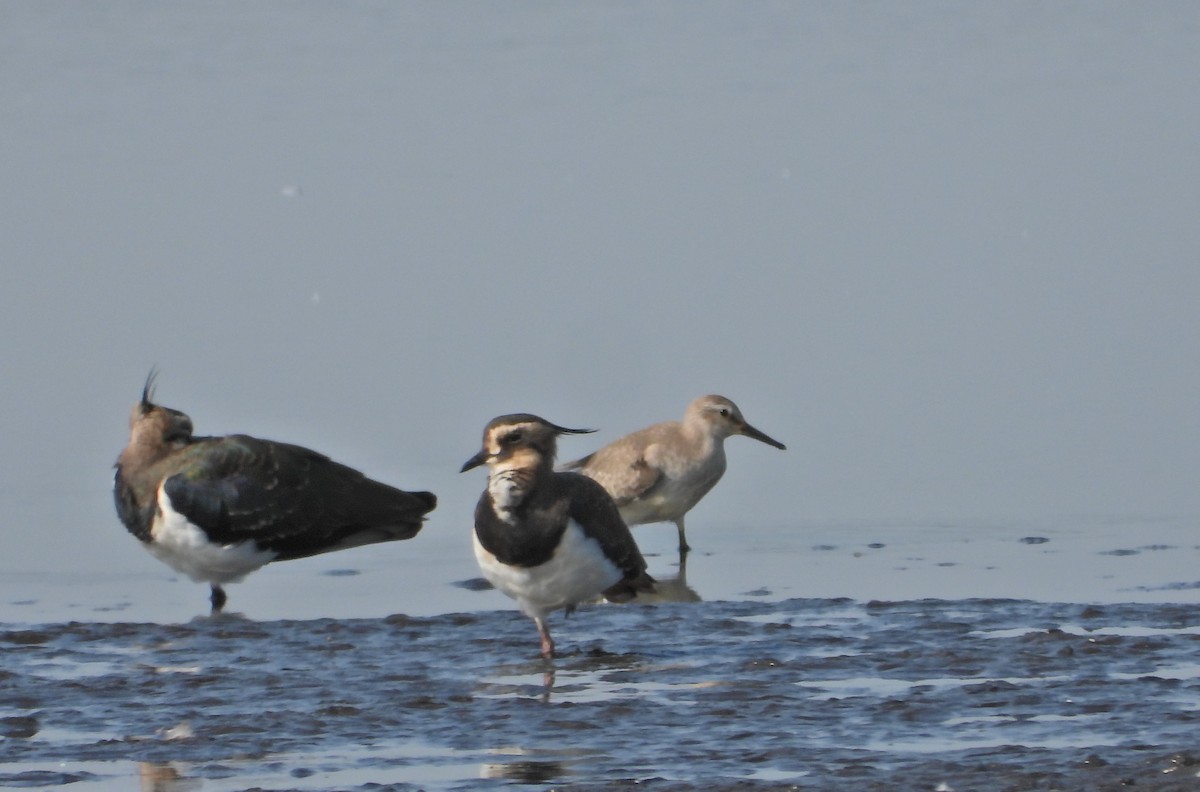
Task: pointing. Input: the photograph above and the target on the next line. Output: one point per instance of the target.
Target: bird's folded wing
(237, 488)
(285, 497)
(597, 515)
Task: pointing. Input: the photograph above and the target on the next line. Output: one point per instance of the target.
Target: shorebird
(218, 508)
(548, 540)
(659, 473)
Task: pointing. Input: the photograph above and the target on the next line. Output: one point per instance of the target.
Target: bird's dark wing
(597, 515)
(288, 499)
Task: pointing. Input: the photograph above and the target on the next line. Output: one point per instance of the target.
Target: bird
(548, 540)
(218, 508)
(657, 474)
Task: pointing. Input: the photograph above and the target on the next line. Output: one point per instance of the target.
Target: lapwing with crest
(217, 508)
(546, 539)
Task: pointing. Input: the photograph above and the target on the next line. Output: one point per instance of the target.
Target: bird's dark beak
(750, 431)
(475, 461)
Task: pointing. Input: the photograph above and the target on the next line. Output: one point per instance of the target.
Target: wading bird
(659, 473)
(218, 508)
(548, 540)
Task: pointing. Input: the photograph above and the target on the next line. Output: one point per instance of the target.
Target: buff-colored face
(519, 445)
(509, 437)
(518, 440)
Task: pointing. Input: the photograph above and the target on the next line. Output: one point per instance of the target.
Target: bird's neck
(142, 461)
(510, 481)
(144, 449)
(700, 437)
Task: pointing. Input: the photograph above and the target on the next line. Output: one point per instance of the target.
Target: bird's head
(520, 439)
(721, 418)
(155, 424)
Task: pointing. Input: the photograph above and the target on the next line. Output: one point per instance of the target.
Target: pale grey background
(948, 252)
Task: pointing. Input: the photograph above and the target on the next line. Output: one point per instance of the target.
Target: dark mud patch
(804, 694)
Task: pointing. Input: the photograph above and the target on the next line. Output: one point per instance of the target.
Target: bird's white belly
(185, 548)
(576, 572)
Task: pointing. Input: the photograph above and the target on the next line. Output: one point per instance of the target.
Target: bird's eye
(725, 412)
(511, 438)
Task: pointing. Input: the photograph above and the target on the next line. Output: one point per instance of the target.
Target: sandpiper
(659, 473)
(218, 508)
(548, 540)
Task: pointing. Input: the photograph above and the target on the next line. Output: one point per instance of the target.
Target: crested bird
(659, 473)
(218, 508)
(546, 539)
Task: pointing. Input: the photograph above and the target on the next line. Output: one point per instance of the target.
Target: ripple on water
(712, 695)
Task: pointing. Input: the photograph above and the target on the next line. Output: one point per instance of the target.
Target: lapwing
(659, 473)
(548, 540)
(218, 508)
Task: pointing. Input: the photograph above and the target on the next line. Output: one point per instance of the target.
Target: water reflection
(514, 680)
(672, 589)
(525, 771)
(165, 777)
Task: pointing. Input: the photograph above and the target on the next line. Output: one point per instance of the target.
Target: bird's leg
(683, 545)
(217, 598)
(547, 641)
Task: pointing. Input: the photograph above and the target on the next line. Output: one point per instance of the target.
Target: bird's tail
(629, 588)
(391, 516)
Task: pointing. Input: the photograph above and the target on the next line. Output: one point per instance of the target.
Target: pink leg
(547, 641)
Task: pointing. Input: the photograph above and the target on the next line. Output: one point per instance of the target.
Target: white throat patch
(507, 488)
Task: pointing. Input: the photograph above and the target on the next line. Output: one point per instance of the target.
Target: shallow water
(1064, 560)
(804, 692)
(762, 689)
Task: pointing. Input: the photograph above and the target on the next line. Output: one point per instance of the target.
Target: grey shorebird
(218, 508)
(548, 540)
(659, 473)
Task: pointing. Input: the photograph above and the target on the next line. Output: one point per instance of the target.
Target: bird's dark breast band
(530, 546)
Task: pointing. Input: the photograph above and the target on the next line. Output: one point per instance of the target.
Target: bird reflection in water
(165, 777)
(524, 771)
(671, 589)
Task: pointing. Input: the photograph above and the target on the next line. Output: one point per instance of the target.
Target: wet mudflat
(797, 693)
